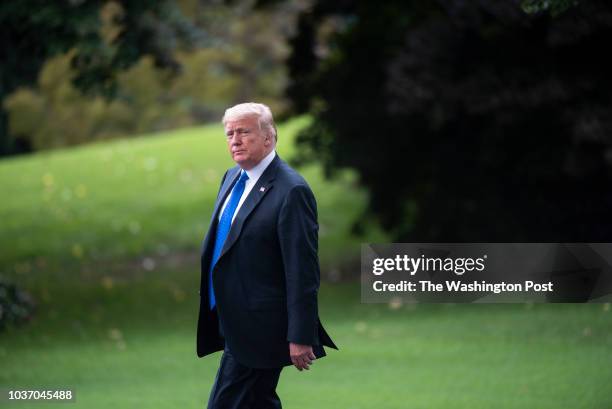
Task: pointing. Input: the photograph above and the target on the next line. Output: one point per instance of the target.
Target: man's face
(247, 144)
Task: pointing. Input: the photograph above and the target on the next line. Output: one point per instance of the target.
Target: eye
(242, 132)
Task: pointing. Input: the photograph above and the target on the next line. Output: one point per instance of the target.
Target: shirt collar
(255, 172)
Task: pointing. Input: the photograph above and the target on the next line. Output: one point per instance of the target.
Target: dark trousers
(240, 387)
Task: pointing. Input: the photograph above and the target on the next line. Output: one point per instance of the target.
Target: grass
(106, 237)
(118, 349)
(153, 196)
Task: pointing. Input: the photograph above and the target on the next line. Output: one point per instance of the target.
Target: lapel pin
(262, 189)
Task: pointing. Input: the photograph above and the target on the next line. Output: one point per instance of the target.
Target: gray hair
(261, 111)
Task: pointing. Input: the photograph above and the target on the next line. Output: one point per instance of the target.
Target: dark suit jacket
(266, 279)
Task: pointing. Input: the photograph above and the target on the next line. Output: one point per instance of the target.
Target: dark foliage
(33, 31)
(16, 306)
(555, 7)
(466, 120)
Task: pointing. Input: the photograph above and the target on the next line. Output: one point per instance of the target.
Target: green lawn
(134, 346)
(106, 238)
(151, 196)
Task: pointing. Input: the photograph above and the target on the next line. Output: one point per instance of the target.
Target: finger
(295, 363)
(312, 356)
(305, 360)
(303, 363)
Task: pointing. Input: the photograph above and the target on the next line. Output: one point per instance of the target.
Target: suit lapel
(261, 188)
(209, 240)
(225, 189)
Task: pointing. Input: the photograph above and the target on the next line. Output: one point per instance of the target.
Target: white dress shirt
(254, 174)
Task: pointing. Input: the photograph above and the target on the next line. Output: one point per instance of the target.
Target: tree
(467, 121)
(108, 36)
(555, 7)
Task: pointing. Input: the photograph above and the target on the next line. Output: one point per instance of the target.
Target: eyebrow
(237, 129)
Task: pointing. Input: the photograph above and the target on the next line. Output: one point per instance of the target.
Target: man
(260, 269)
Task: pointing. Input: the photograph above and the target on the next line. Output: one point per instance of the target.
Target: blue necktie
(223, 228)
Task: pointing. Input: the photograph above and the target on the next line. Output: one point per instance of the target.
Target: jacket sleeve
(298, 235)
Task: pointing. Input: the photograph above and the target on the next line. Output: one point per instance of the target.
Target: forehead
(242, 122)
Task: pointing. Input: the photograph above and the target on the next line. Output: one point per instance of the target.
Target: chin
(243, 163)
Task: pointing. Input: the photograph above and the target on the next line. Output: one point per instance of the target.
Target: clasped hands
(301, 355)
